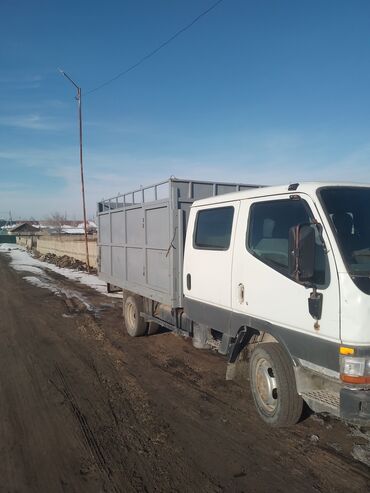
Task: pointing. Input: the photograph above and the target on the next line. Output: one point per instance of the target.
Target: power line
(156, 50)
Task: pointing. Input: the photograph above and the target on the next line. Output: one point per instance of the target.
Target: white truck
(280, 274)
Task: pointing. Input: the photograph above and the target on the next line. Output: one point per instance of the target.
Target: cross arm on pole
(69, 78)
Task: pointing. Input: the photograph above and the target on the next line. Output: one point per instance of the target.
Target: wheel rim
(131, 315)
(266, 386)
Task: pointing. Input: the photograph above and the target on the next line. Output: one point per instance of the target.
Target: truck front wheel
(273, 385)
(135, 325)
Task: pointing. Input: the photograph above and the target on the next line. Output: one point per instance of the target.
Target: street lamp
(78, 98)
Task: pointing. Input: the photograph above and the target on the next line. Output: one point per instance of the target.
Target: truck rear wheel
(135, 325)
(273, 386)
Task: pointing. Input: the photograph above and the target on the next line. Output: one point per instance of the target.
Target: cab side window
(268, 233)
(269, 225)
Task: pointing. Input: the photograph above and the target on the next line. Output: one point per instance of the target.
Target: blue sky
(257, 91)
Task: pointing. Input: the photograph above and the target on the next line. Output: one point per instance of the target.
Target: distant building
(91, 227)
(24, 228)
(78, 229)
(72, 231)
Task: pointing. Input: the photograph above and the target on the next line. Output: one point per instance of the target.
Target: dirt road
(85, 408)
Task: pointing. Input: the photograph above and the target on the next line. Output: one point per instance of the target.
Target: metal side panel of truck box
(141, 236)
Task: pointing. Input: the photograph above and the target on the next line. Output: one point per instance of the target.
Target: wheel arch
(249, 337)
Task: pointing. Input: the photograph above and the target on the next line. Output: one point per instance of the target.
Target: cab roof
(308, 188)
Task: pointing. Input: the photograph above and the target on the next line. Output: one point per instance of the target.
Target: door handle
(241, 292)
(188, 282)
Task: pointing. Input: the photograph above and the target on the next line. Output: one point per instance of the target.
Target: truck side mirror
(302, 246)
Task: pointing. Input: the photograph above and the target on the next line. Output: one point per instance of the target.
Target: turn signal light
(348, 379)
(346, 350)
(354, 369)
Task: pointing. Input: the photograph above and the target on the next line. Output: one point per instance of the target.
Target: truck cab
(284, 274)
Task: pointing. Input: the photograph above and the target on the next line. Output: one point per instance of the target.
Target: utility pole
(79, 102)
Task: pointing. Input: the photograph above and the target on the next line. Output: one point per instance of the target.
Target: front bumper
(355, 406)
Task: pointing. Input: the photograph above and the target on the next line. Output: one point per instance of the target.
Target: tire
(273, 385)
(134, 323)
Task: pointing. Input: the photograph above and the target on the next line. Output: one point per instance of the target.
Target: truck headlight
(355, 369)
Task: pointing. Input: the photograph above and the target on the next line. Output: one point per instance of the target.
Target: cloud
(12, 79)
(31, 121)
(124, 127)
(39, 157)
(261, 159)
(20, 81)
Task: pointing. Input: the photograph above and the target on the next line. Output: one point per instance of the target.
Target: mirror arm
(319, 230)
(315, 302)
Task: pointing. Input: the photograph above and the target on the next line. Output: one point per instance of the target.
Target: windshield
(348, 209)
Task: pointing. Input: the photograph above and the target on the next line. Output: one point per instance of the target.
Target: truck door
(208, 258)
(263, 290)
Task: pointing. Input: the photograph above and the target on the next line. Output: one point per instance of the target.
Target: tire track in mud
(91, 441)
(150, 450)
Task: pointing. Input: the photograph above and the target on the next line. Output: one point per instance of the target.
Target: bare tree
(56, 220)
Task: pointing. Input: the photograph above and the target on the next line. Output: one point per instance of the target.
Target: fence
(7, 239)
(27, 241)
(71, 245)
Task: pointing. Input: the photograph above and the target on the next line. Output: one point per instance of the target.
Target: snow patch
(21, 260)
(35, 281)
(27, 268)
(47, 283)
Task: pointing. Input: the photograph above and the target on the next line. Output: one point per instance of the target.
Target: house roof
(24, 227)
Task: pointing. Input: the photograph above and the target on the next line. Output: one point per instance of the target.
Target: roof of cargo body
(309, 188)
(185, 190)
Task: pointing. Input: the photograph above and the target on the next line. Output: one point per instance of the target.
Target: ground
(86, 408)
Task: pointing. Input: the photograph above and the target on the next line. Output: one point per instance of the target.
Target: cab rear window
(213, 228)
